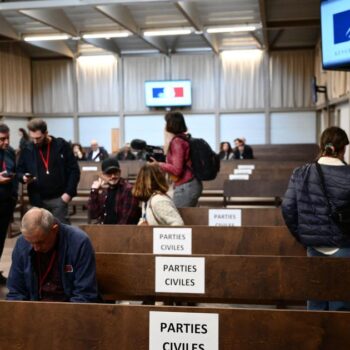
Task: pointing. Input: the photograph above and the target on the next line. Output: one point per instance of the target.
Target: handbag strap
(323, 186)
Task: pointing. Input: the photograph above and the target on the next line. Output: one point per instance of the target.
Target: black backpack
(205, 162)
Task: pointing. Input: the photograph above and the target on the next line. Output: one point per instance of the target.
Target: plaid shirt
(126, 205)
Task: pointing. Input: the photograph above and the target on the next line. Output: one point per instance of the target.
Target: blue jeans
(187, 194)
(329, 305)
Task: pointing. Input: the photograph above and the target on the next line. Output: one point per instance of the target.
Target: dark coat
(8, 191)
(62, 153)
(103, 154)
(305, 209)
(247, 153)
(77, 266)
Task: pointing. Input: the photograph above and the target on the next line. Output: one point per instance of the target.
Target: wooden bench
(205, 240)
(42, 326)
(230, 279)
(250, 216)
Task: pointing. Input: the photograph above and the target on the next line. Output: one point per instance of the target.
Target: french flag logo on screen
(160, 92)
(341, 24)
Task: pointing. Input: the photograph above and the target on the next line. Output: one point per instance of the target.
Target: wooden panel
(250, 216)
(231, 278)
(42, 326)
(205, 240)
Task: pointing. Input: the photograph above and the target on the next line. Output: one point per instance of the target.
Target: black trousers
(6, 212)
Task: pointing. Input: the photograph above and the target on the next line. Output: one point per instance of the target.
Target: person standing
(305, 207)
(187, 188)
(8, 186)
(111, 200)
(47, 165)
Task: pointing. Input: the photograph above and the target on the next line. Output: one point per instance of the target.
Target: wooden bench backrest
(231, 279)
(42, 326)
(205, 240)
(250, 216)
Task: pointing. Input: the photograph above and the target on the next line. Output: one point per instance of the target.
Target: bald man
(52, 262)
(97, 153)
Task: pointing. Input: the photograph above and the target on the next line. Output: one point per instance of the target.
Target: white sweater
(161, 210)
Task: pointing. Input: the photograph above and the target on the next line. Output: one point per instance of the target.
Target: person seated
(78, 152)
(226, 152)
(242, 151)
(97, 153)
(125, 153)
(52, 262)
(111, 200)
(151, 188)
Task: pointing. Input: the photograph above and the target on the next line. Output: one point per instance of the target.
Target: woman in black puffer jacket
(305, 209)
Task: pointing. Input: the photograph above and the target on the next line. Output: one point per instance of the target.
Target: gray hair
(37, 218)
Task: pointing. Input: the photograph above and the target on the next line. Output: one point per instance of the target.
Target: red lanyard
(3, 165)
(49, 268)
(46, 161)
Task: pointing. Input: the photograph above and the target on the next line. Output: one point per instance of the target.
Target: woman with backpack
(316, 192)
(187, 188)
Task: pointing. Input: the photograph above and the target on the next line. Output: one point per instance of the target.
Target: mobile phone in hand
(28, 175)
(8, 174)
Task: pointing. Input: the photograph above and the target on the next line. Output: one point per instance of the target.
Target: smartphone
(29, 175)
(8, 174)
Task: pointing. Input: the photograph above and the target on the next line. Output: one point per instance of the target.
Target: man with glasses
(47, 165)
(8, 186)
(111, 201)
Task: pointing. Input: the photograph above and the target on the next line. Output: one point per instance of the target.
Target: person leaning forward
(47, 165)
(52, 262)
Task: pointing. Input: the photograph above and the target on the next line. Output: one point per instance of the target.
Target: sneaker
(3, 280)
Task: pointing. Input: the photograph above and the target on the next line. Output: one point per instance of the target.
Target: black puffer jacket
(305, 209)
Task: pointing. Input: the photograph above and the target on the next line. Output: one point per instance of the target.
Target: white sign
(89, 168)
(172, 241)
(183, 331)
(180, 275)
(243, 171)
(225, 217)
(246, 166)
(238, 177)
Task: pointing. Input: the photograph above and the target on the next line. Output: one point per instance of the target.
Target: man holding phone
(8, 186)
(47, 165)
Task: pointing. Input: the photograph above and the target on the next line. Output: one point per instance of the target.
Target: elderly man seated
(52, 262)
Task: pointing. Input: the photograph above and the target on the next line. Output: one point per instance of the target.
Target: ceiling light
(161, 32)
(137, 52)
(247, 28)
(106, 35)
(46, 37)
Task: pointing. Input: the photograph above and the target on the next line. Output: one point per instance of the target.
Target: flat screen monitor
(168, 93)
(335, 27)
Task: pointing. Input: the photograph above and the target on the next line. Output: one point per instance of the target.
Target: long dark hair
(333, 141)
(24, 134)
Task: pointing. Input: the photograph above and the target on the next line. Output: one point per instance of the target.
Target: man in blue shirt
(52, 262)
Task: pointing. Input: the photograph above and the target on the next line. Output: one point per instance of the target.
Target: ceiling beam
(263, 18)
(303, 23)
(59, 47)
(106, 44)
(121, 15)
(6, 29)
(190, 12)
(257, 39)
(275, 39)
(39, 4)
(55, 18)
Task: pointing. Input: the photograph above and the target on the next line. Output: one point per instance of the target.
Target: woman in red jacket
(187, 188)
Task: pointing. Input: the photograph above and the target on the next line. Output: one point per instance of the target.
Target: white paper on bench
(238, 177)
(180, 275)
(246, 166)
(89, 168)
(198, 330)
(243, 171)
(172, 240)
(225, 217)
